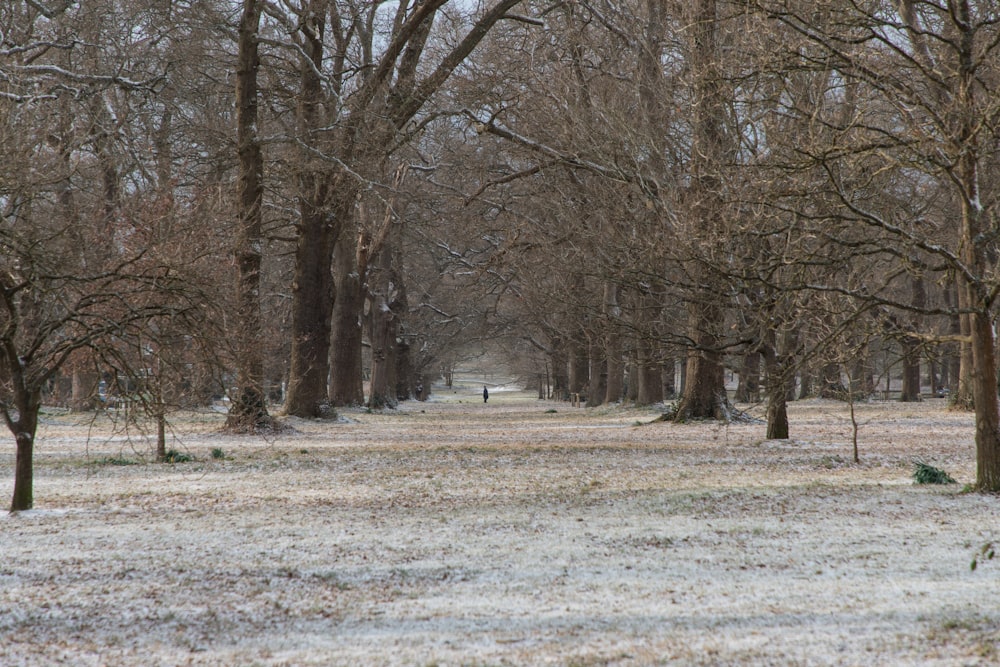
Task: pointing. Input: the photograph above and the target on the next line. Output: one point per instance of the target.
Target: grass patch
(116, 461)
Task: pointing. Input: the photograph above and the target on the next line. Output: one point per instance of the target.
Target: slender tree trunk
(248, 410)
(963, 399)
(613, 346)
(911, 346)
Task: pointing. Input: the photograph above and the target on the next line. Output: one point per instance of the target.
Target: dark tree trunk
(312, 283)
(24, 426)
(347, 376)
(779, 374)
(911, 345)
(312, 308)
(560, 372)
(833, 384)
(705, 390)
(672, 385)
(615, 367)
(910, 390)
(579, 369)
(649, 389)
(384, 328)
(248, 410)
(748, 390)
(952, 364)
(598, 386)
(704, 385)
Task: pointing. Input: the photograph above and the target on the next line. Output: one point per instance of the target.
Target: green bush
(173, 456)
(928, 474)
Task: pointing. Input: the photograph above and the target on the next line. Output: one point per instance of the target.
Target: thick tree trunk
(984, 381)
(704, 385)
(24, 428)
(705, 390)
(910, 391)
(84, 391)
(579, 369)
(347, 376)
(779, 376)
(312, 308)
(382, 335)
(312, 283)
(748, 390)
(248, 411)
(648, 375)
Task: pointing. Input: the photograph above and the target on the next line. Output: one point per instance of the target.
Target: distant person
(486, 394)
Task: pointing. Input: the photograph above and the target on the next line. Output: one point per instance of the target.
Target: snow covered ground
(521, 532)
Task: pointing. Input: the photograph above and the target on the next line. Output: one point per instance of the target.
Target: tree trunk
(748, 390)
(911, 345)
(963, 398)
(648, 372)
(705, 390)
(598, 386)
(84, 392)
(833, 383)
(312, 284)
(984, 381)
(579, 369)
(704, 385)
(347, 376)
(910, 390)
(779, 376)
(384, 327)
(560, 372)
(312, 308)
(248, 410)
(613, 346)
(24, 428)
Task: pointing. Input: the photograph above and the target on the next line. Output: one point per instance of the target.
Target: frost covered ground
(457, 533)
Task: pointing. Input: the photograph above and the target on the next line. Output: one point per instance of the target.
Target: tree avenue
(292, 207)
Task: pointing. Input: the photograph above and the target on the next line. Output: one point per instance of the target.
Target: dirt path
(457, 533)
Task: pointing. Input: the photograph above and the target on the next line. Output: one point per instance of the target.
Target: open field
(457, 533)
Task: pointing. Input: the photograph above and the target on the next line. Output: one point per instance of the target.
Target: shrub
(173, 456)
(928, 474)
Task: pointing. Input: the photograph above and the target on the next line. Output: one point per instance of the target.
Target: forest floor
(519, 532)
